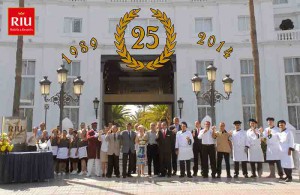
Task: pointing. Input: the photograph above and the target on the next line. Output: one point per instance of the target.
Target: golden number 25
(155, 37)
(141, 35)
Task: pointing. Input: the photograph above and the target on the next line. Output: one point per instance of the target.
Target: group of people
(92, 151)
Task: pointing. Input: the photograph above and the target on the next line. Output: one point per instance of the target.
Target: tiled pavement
(147, 185)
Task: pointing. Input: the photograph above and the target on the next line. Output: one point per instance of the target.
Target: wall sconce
(180, 105)
(96, 106)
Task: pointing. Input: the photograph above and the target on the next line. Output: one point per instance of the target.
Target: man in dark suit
(128, 149)
(175, 128)
(197, 148)
(165, 142)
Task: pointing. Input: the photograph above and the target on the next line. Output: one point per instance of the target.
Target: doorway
(143, 114)
(123, 86)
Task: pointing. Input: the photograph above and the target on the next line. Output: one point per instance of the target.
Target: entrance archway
(123, 86)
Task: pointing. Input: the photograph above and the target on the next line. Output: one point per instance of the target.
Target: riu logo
(21, 21)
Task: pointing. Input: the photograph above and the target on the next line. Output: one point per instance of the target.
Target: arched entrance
(121, 85)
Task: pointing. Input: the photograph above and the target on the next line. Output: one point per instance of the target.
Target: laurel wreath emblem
(168, 48)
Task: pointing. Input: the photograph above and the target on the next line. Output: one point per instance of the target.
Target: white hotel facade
(62, 23)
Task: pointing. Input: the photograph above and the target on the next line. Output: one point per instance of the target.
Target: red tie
(164, 134)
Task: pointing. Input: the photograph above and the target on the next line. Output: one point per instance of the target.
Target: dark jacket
(165, 144)
(197, 142)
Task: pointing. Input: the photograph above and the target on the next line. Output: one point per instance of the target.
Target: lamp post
(61, 98)
(212, 96)
(180, 105)
(46, 107)
(96, 105)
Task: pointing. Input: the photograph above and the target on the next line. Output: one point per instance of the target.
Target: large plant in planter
(286, 24)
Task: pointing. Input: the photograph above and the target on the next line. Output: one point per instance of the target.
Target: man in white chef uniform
(184, 149)
(287, 146)
(239, 140)
(271, 133)
(255, 153)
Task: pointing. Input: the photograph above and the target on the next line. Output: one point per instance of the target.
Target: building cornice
(179, 45)
(108, 3)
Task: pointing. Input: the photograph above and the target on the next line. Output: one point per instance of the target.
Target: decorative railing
(138, 1)
(280, 2)
(78, 0)
(199, 1)
(288, 35)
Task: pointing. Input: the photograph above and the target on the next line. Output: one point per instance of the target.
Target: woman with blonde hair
(103, 151)
(141, 144)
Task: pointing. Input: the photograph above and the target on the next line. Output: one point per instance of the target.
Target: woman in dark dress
(63, 152)
(54, 147)
(82, 152)
(74, 152)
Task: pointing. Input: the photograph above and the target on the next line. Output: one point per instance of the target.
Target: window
(27, 85)
(72, 114)
(72, 25)
(243, 23)
(73, 72)
(247, 84)
(112, 25)
(27, 113)
(203, 107)
(161, 28)
(71, 110)
(137, 22)
(292, 83)
(276, 2)
(203, 25)
(27, 91)
(293, 17)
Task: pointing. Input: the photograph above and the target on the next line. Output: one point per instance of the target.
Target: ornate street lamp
(227, 81)
(196, 84)
(78, 86)
(61, 98)
(211, 72)
(96, 106)
(180, 105)
(45, 86)
(62, 74)
(212, 96)
(46, 107)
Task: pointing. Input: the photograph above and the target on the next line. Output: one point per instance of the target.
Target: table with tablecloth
(17, 167)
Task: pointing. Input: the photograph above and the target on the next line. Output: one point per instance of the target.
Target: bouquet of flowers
(5, 143)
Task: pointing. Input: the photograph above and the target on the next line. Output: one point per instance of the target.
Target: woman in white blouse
(103, 152)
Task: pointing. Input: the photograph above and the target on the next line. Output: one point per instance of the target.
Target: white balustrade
(138, 1)
(199, 1)
(288, 35)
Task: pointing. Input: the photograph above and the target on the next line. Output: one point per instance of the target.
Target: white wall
(50, 42)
